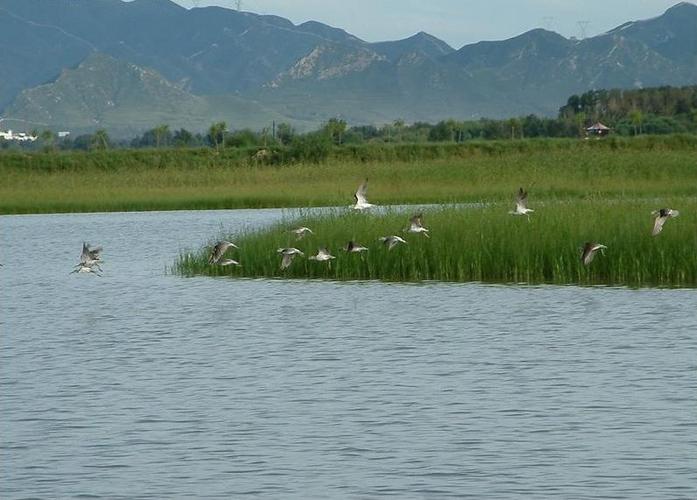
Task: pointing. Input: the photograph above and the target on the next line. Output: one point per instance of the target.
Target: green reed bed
(483, 244)
(201, 179)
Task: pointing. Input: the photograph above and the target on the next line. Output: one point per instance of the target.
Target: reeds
(404, 174)
(482, 243)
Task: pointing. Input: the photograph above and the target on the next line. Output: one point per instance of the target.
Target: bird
(90, 254)
(218, 250)
(361, 200)
(89, 258)
(392, 241)
(662, 216)
(589, 250)
(83, 268)
(323, 255)
(416, 225)
(353, 247)
(521, 204)
(301, 232)
(288, 254)
(228, 262)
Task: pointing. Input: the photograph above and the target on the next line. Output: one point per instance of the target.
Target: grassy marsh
(127, 180)
(483, 244)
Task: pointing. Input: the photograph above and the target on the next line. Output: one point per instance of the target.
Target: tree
(335, 129)
(285, 133)
(398, 127)
(183, 138)
(162, 135)
(637, 118)
(216, 134)
(48, 139)
(100, 139)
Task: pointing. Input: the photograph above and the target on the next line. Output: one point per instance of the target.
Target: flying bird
(416, 225)
(589, 250)
(90, 254)
(228, 262)
(89, 259)
(662, 216)
(218, 250)
(392, 241)
(353, 247)
(361, 200)
(323, 255)
(521, 204)
(288, 254)
(301, 232)
(84, 268)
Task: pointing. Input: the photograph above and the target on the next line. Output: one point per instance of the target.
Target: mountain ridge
(309, 72)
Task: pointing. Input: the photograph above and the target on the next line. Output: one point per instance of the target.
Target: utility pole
(582, 25)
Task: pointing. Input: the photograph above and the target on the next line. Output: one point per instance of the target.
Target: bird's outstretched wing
(522, 199)
(361, 192)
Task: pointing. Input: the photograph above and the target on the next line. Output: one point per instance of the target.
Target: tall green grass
(449, 173)
(484, 244)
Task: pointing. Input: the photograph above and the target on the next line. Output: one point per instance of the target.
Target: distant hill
(154, 61)
(103, 92)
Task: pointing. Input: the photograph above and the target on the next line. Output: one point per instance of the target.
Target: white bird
(89, 258)
(361, 200)
(353, 247)
(416, 225)
(323, 255)
(392, 241)
(662, 216)
(83, 268)
(301, 232)
(228, 262)
(218, 250)
(90, 254)
(521, 204)
(288, 254)
(589, 250)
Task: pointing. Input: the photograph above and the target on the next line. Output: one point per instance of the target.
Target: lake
(142, 384)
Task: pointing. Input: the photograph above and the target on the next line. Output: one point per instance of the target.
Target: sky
(458, 22)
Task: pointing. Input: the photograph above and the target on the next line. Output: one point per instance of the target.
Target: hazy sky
(458, 22)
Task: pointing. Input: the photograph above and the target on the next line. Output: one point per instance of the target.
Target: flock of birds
(288, 254)
(90, 258)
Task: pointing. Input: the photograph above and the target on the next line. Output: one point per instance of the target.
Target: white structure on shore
(17, 136)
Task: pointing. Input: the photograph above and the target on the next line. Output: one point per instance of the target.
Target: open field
(481, 243)
(129, 180)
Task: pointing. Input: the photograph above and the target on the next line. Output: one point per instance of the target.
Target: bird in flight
(323, 255)
(361, 200)
(218, 250)
(353, 247)
(392, 241)
(521, 204)
(287, 256)
(228, 262)
(301, 232)
(416, 225)
(84, 268)
(662, 216)
(89, 260)
(589, 250)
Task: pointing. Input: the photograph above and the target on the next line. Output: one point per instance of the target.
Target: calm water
(141, 384)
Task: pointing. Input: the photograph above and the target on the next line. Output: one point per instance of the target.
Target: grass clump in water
(483, 244)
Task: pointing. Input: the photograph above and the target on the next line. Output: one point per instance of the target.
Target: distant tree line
(660, 110)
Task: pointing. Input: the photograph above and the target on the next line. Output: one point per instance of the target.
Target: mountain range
(127, 66)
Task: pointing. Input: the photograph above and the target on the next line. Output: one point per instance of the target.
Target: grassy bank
(423, 173)
(483, 244)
